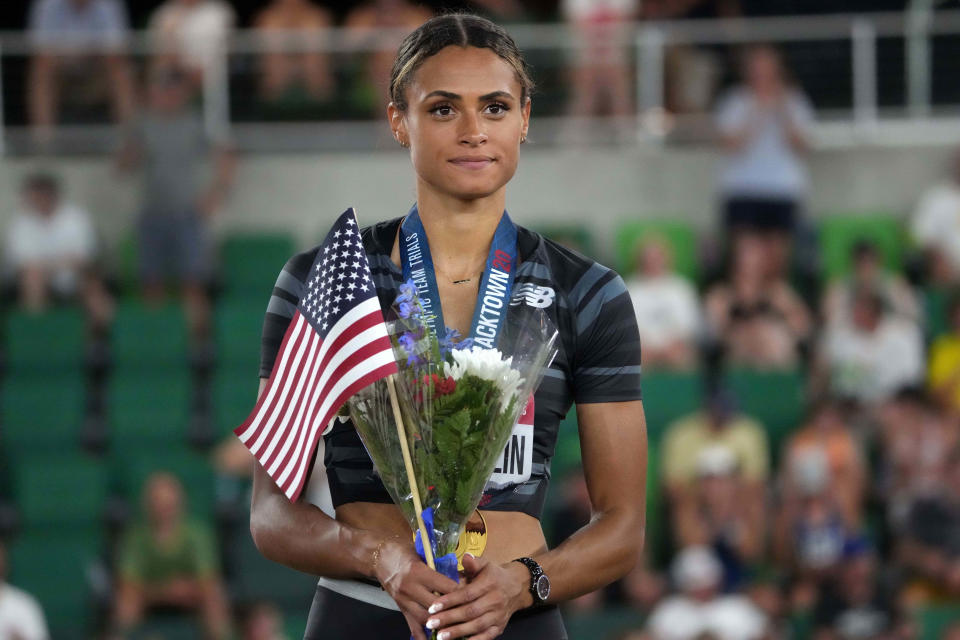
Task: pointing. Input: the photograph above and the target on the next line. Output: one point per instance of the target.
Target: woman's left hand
(483, 604)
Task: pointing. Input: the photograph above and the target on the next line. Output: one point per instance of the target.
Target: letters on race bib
(515, 464)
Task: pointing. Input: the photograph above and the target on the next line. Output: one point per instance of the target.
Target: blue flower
(407, 291)
(405, 309)
(466, 343)
(448, 341)
(406, 341)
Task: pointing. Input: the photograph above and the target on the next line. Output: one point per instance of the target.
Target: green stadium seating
(42, 413)
(776, 399)
(566, 455)
(936, 311)
(603, 624)
(152, 407)
(43, 342)
(146, 337)
(256, 578)
(933, 620)
(680, 237)
(838, 234)
(668, 396)
(295, 623)
(53, 566)
(252, 261)
(59, 489)
(132, 467)
(238, 326)
(234, 396)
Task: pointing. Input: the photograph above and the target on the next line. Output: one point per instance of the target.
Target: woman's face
(463, 122)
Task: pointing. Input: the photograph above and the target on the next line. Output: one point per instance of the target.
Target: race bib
(516, 462)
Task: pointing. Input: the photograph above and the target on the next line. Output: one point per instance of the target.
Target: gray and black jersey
(598, 359)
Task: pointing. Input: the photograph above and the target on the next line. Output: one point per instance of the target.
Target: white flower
(488, 364)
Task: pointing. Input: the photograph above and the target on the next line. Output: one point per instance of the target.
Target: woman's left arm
(613, 441)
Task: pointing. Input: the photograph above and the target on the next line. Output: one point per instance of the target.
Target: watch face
(542, 587)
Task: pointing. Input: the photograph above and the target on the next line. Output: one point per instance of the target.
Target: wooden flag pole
(408, 463)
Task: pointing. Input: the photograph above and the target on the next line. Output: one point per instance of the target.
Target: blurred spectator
(601, 82)
(667, 309)
(166, 561)
(51, 250)
(858, 605)
(173, 226)
(935, 227)
(943, 375)
(756, 317)
(811, 531)
(699, 610)
(77, 44)
(190, 35)
(718, 425)
(262, 621)
(21, 617)
(869, 273)
(827, 434)
(872, 355)
(299, 75)
(379, 26)
(764, 128)
(916, 440)
(719, 516)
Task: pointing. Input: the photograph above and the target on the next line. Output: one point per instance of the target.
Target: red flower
(445, 386)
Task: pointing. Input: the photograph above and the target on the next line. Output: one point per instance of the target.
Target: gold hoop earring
(523, 138)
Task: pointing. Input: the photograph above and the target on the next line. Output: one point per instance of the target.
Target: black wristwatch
(539, 582)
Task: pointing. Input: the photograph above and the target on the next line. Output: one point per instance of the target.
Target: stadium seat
(933, 620)
(132, 467)
(42, 413)
(54, 565)
(602, 624)
(253, 577)
(668, 396)
(678, 235)
(776, 399)
(238, 326)
(251, 263)
(60, 489)
(234, 396)
(53, 341)
(146, 337)
(838, 234)
(152, 407)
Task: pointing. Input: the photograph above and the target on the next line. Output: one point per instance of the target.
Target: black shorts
(337, 617)
(742, 213)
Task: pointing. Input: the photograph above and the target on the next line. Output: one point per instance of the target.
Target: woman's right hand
(411, 583)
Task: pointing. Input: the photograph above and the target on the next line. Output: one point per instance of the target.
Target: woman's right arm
(301, 536)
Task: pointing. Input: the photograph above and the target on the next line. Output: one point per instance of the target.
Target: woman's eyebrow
(449, 95)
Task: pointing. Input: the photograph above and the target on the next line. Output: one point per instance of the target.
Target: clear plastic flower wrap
(459, 403)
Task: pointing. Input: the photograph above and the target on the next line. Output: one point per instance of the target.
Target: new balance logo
(534, 295)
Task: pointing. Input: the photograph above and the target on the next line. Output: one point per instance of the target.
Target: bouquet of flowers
(459, 403)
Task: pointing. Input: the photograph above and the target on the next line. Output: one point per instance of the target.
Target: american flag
(336, 344)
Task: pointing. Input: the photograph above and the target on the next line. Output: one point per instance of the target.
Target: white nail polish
(443, 635)
(433, 623)
(436, 607)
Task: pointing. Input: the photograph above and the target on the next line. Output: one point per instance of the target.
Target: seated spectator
(943, 372)
(668, 313)
(827, 433)
(719, 516)
(189, 36)
(51, 249)
(378, 26)
(872, 355)
(857, 605)
(930, 546)
(166, 561)
(699, 610)
(755, 317)
(300, 75)
(764, 126)
(718, 424)
(77, 44)
(869, 273)
(916, 438)
(262, 621)
(935, 228)
(174, 236)
(21, 617)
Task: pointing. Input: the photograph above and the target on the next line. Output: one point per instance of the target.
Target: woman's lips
(472, 162)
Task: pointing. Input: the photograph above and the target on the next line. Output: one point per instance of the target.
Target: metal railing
(861, 114)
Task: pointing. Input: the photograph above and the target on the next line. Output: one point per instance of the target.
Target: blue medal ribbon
(494, 296)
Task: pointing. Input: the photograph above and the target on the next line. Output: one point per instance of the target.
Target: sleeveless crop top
(598, 358)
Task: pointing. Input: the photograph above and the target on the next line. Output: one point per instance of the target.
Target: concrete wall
(599, 186)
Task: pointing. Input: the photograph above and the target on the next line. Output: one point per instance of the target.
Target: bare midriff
(510, 534)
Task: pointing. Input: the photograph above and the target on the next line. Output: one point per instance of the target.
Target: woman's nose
(471, 131)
